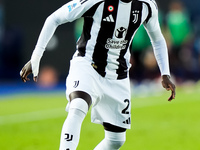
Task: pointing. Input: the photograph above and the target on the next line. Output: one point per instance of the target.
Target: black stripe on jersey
(136, 10)
(85, 36)
(83, 1)
(92, 10)
(105, 32)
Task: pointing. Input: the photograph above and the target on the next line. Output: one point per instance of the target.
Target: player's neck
(126, 1)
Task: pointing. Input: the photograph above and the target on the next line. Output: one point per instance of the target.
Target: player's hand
(168, 85)
(26, 70)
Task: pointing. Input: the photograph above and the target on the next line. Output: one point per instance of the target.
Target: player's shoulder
(151, 3)
(81, 5)
(147, 1)
(85, 2)
(90, 1)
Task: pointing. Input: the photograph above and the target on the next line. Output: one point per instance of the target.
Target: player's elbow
(52, 20)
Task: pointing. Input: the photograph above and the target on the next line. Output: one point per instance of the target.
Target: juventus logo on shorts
(76, 83)
(69, 137)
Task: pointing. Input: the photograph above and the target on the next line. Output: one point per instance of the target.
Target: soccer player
(99, 69)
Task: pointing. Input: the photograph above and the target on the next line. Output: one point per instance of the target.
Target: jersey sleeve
(152, 27)
(74, 10)
(67, 13)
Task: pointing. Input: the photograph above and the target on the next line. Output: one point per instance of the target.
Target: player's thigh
(114, 105)
(81, 79)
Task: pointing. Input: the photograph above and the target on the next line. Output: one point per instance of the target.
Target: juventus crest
(135, 16)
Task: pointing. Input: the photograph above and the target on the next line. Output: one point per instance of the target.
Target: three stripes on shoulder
(109, 18)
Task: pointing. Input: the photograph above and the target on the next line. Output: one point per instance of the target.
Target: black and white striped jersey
(109, 27)
(108, 30)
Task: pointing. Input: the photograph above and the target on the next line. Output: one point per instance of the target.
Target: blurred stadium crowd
(180, 23)
(181, 29)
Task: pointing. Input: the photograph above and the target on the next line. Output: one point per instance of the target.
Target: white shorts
(110, 98)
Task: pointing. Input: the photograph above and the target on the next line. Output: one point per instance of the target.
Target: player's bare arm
(168, 85)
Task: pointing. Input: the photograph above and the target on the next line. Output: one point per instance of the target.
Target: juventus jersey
(109, 27)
